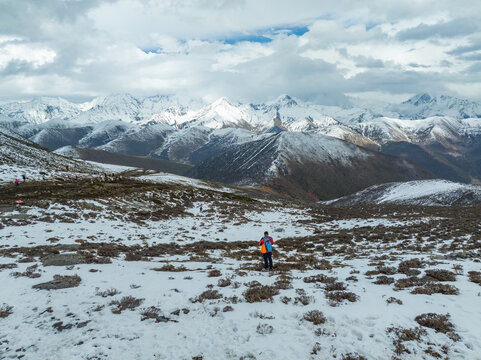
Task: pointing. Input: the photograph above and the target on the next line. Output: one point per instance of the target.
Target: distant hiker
(17, 182)
(266, 249)
(24, 177)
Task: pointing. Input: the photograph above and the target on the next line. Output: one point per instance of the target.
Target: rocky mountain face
(305, 165)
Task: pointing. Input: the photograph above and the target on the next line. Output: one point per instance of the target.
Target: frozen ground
(188, 257)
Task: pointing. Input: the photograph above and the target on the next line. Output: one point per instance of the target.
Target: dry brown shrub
(207, 295)
(5, 310)
(387, 270)
(154, 313)
(284, 282)
(392, 300)
(315, 316)
(352, 278)
(260, 293)
(384, 280)
(436, 288)
(335, 286)
(171, 268)
(319, 278)
(127, 302)
(337, 297)
(224, 282)
(439, 323)
(475, 277)
(441, 275)
(214, 273)
(402, 335)
(108, 292)
(406, 266)
(303, 299)
(227, 308)
(353, 356)
(264, 329)
(409, 282)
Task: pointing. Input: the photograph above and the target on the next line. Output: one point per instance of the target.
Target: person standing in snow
(266, 243)
(17, 182)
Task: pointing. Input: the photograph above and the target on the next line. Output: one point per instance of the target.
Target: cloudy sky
(248, 50)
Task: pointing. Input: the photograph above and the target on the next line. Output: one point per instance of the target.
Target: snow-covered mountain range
(445, 130)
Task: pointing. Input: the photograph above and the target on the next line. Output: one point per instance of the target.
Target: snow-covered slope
(425, 192)
(19, 156)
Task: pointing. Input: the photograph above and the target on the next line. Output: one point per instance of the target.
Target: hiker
(266, 243)
(24, 177)
(17, 182)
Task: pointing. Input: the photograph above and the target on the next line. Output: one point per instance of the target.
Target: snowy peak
(40, 110)
(425, 105)
(419, 99)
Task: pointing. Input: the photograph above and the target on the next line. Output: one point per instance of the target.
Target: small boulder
(59, 282)
(63, 259)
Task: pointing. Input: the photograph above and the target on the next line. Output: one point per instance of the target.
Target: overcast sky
(247, 50)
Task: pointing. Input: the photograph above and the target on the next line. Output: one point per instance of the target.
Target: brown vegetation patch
(207, 295)
(384, 280)
(475, 277)
(436, 288)
(214, 273)
(319, 278)
(441, 275)
(260, 293)
(315, 316)
(5, 311)
(127, 302)
(170, 268)
(439, 323)
(337, 297)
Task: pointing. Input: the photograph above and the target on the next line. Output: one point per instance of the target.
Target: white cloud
(92, 47)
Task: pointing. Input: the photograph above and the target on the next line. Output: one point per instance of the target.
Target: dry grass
(315, 316)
